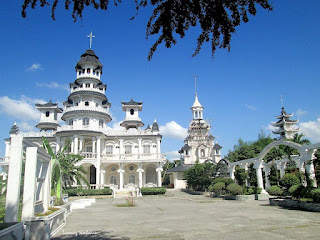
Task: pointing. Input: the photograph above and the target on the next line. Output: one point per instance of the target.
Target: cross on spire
(195, 83)
(90, 36)
(281, 100)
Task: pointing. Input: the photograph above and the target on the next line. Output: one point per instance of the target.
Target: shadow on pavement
(89, 235)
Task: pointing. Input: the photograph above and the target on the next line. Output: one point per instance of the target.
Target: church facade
(199, 146)
(121, 159)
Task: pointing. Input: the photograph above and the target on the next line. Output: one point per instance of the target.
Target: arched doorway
(151, 176)
(93, 172)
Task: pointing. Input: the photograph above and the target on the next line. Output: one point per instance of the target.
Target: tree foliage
(199, 177)
(217, 19)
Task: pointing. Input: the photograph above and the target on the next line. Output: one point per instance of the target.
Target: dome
(89, 57)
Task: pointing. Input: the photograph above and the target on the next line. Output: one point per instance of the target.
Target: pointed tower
(197, 109)
(285, 126)
(132, 110)
(48, 119)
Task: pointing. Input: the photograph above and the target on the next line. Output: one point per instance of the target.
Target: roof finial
(281, 100)
(90, 36)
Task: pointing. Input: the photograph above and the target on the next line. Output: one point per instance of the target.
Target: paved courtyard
(181, 216)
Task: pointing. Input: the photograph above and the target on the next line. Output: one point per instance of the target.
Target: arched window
(47, 113)
(97, 73)
(79, 72)
(88, 70)
(85, 121)
(94, 72)
(86, 103)
(132, 179)
(217, 151)
(187, 152)
(101, 123)
(71, 122)
(131, 111)
(83, 71)
(203, 154)
(113, 180)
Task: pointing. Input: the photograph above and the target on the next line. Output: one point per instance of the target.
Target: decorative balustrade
(88, 155)
(87, 89)
(38, 134)
(132, 157)
(86, 108)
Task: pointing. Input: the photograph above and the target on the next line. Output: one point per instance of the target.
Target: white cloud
(25, 127)
(173, 130)
(22, 109)
(34, 67)
(250, 107)
(53, 85)
(172, 155)
(311, 130)
(301, 112)
(115, 126)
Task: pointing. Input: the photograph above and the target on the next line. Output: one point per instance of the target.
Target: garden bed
(11, 231)
(289, 203)
(45, 227)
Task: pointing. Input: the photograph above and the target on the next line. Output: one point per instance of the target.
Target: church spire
(197, 108)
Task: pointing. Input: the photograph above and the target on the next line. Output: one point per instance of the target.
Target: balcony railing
(130, 157)
(86, 108)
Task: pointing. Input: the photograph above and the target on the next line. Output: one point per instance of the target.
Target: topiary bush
(288, 180)
(153, 191)
(315, 195)
(227, 181)
(296, 190)
(275, 191)
(218, 187)
(235, 189)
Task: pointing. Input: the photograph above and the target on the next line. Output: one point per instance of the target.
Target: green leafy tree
(166, 177)
(199, 177)
(171, 18)
(241, 176)
(62, 165)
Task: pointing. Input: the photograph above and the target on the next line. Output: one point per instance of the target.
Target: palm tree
(63, 168)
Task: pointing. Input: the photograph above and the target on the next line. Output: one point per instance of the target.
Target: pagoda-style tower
(48, 118)
(132, 110)
(285, 126)
(87, 105)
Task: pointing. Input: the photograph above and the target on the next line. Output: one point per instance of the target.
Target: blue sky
(276, 53)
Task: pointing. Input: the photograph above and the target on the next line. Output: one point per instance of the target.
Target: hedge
(275, 191)
(315, 195)
(217, 188)
(253, 190)
(235, 189)
(152, 191)
(296, 190)
(87, 192)
(288, 180)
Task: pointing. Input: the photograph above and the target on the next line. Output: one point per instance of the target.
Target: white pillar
(267, 169)
(158, 147)
(159, 170)
(103, 174)
(14, 177)
(300, 165)
(121, 171)
(139, 147)
(307, 157)
(121, 150)
(93, 145)
(231, 170)
(140, 171)
(281, 166)
(75, 150)
(98, 161)
(258, 168)
(30, 184)
(80, 144)
(72, 146)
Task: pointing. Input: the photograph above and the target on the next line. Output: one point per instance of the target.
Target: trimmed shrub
(288, 180)
(275, 191)
(227, 181)
(315, 195)
(296, 190)
(87, 192)
(218, 187)
(235, 189)
(152, 191)
(250, 190)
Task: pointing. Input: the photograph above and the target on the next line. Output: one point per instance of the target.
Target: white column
(258, 168)
(300, 165)
(103, 174)
(121, 171)
(58, 144)
(121, 150)
(139, 147)
(81, 144)
(281, 166)
(231, 170)
(98, 161)
(30, 184)
(76, 139)
(7, 152)
(267, 169)
(307, 157)
(14, 177)
(159, 170)
(158, 147)
(72, 146)
(93, 145)
(140, 171)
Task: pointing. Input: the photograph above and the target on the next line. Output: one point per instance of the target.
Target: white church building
(121, 159)
(200, 146)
